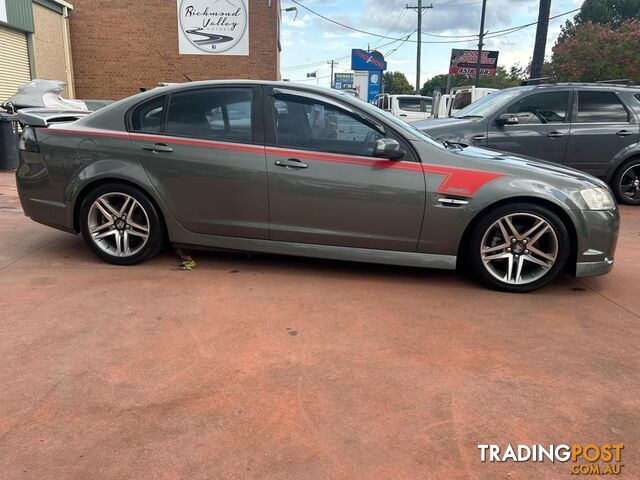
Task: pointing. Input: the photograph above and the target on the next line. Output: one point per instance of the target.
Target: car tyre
(626, 182)
(519, 247)
(120, 224)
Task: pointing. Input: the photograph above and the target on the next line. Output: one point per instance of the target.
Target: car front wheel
(520, 247)
(120, 224)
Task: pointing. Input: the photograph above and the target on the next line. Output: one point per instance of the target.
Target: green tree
(598, 52)
(603, 12)
(503, 79)
(395, 83)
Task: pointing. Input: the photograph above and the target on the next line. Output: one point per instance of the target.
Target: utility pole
(480, 41)
(541, 39)
(331, 81)
(419, 9)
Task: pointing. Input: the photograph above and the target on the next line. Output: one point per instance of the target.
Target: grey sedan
(287, 169)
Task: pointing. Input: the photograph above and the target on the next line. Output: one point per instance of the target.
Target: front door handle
(403, 114)
(555, 135)
(624, 133)
(479, 138)
(291, 163)
(158, 148)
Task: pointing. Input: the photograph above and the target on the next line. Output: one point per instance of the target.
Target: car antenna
(176, 68)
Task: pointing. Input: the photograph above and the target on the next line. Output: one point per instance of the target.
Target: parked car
(590, 127)
(464, 96)
(409, 108)
(290, 169)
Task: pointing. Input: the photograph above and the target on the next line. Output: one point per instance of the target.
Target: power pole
(480, 41)
(541, 39)
(331, 81)
(419, 9)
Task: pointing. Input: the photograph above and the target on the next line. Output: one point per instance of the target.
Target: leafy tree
(598, 52)
(395, 83)
(503, 79)
(603, 12)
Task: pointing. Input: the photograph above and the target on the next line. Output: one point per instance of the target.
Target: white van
(409, 108)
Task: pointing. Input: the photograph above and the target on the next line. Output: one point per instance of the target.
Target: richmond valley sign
(213, 27)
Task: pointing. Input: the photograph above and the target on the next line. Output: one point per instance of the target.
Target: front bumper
(591, 269)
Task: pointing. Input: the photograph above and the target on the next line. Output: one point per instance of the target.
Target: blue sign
(363, 60)
(375, 81)
(342, 81)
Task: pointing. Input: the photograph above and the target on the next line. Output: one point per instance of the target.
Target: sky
(308, 39)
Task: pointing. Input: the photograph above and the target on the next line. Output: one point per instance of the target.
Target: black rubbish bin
(9, 138)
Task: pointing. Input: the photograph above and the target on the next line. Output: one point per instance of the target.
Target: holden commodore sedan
(286, 169)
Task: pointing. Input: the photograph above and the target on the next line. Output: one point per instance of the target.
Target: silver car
(287, 169)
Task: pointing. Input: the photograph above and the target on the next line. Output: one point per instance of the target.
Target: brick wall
(114, 46)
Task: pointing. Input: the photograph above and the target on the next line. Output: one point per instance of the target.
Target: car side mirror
(507, 119)
(388, 148)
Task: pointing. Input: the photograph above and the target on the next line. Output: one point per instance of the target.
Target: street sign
(363, 60)
(342, 81)
(464, 62)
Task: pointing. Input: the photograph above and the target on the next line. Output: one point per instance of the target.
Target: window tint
(547, 107)
(147, 117)
(410, 104)
(315, 126)
(215, 113)
(600, 107)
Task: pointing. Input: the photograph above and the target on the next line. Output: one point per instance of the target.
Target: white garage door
(14, 61)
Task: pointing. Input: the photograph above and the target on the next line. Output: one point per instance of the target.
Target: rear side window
(547, 107)
(461, 100)
(600, 107)
(212, 113)
(147, 117)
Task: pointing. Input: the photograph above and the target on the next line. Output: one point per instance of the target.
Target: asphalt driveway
(274, 367)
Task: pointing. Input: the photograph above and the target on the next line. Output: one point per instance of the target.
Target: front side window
(540, 108)
(316, 126)
(147, 117)
(212, 113)
(600, 107)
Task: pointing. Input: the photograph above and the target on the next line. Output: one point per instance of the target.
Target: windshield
(487, 105)
(401, 125)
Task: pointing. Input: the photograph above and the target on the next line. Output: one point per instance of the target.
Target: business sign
(342, 81)
(375, 81)
(361, 84)
(465, 62)
(213, 27)
(363, 60)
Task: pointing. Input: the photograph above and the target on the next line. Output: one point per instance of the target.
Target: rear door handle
(624, 133)
(158, 148)
(403, 114)
(291, 163)
(478, 138)
(555, 135)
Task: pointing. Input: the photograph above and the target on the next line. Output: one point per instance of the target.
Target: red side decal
(458, 181)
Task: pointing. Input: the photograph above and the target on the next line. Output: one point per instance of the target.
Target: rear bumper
(591, 269)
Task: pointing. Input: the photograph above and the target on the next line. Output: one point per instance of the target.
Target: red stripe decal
(456, 181)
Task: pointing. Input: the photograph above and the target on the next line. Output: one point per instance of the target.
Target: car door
(203, 150)
(412, 109)
(542, 128)
(325, 186)
(601, 128)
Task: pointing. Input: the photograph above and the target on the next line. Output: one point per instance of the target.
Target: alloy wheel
(519, 248)
(118, 224)
(630, 183)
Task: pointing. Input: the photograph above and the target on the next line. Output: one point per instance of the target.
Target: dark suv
(591, 127)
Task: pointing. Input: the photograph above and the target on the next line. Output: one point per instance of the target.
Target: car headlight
(598, 199)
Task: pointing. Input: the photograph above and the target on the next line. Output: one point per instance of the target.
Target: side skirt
(388, 257)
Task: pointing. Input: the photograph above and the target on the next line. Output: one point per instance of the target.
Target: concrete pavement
(275, 367)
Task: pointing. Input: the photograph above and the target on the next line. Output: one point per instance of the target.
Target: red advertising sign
(464, 62)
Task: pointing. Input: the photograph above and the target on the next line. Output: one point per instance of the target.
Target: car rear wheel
(120, 224)
(626, 183)
(520, 247)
